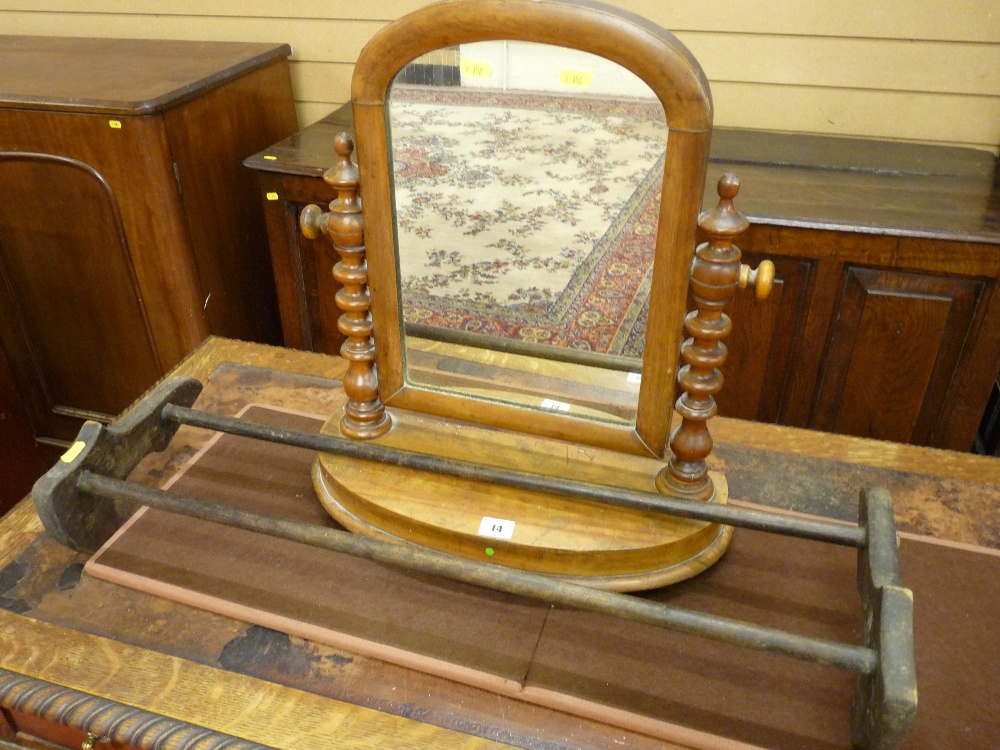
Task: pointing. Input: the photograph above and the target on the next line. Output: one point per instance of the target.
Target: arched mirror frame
(677, 80)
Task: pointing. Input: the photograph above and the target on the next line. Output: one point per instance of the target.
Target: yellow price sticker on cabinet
(115, 124)
(272, 196)
(580, 79)
(475, 69)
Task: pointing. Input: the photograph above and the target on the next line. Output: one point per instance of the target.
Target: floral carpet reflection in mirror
(527, 216)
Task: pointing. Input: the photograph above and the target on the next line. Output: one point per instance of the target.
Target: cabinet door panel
(303, 268)
(892, 353)
(134, 160)
(73, 325)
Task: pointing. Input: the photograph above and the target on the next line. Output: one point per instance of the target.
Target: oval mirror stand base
(577, 539)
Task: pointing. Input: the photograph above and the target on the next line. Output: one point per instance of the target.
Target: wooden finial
(364, 414)
(345, 172)
(714, 279)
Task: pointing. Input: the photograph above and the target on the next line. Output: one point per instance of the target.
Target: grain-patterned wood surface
(218, 673)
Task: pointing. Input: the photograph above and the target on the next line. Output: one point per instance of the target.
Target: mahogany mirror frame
(675, 77)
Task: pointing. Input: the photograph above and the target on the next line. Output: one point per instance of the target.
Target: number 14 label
(497, 528)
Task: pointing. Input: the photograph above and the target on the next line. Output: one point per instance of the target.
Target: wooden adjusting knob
(761, 279)
(313, 220)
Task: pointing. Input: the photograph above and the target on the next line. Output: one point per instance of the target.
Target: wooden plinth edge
(605, 547)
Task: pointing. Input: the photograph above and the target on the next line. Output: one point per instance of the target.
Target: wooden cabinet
(887, 347)
(895, 333)
(129, 230)
(290, 176)
(883, 321)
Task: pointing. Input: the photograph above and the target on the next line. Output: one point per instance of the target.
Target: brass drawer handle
(88, 744)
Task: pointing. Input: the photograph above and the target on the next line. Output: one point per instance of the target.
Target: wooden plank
(899, 19)
(820, 70)
(312, 112)
(335, 40)
(17, 530)
(322, 81)
(227, 702)
(942, 67)
(890, 64)
(384, 10)
(936, 118)
(848, 63)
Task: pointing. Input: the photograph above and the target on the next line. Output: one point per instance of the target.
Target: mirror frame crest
(668, 68)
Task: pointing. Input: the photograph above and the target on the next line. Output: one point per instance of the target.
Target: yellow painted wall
(920, 70)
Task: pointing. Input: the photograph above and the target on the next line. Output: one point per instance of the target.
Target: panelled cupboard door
(70, 302)
(891, 366)
(303, 268)
(132, 157)
(129, 230)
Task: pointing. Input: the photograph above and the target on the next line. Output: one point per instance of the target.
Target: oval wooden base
(615, 549)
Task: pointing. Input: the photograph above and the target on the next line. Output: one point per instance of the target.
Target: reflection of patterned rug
(525, 216)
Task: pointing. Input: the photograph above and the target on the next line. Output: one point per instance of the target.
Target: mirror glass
(526, 194)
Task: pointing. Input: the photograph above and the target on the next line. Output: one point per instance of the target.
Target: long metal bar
(411, 557)
(849, 536)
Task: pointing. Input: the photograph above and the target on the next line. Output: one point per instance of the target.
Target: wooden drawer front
(893, 352)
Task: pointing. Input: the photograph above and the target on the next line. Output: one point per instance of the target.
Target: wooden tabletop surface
(795, 180)
(120, 76)
(288, 693)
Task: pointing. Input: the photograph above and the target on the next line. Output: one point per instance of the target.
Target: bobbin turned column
(715, 277)
(364, 414)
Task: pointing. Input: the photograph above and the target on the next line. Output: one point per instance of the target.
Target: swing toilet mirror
(528, 437)
(486, 204)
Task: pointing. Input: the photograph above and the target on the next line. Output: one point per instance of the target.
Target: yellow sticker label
(270, 158)
(475, 69)
(115, 124)
(73, 452)
(580, 79)
(272, 196)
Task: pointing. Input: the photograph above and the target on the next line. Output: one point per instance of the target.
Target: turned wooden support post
(715, 276)
(364, 414)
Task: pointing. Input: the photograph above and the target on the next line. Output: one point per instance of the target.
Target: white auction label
(497, 528)
(556, 405)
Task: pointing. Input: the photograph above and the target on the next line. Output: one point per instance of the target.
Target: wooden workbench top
(288, 693)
